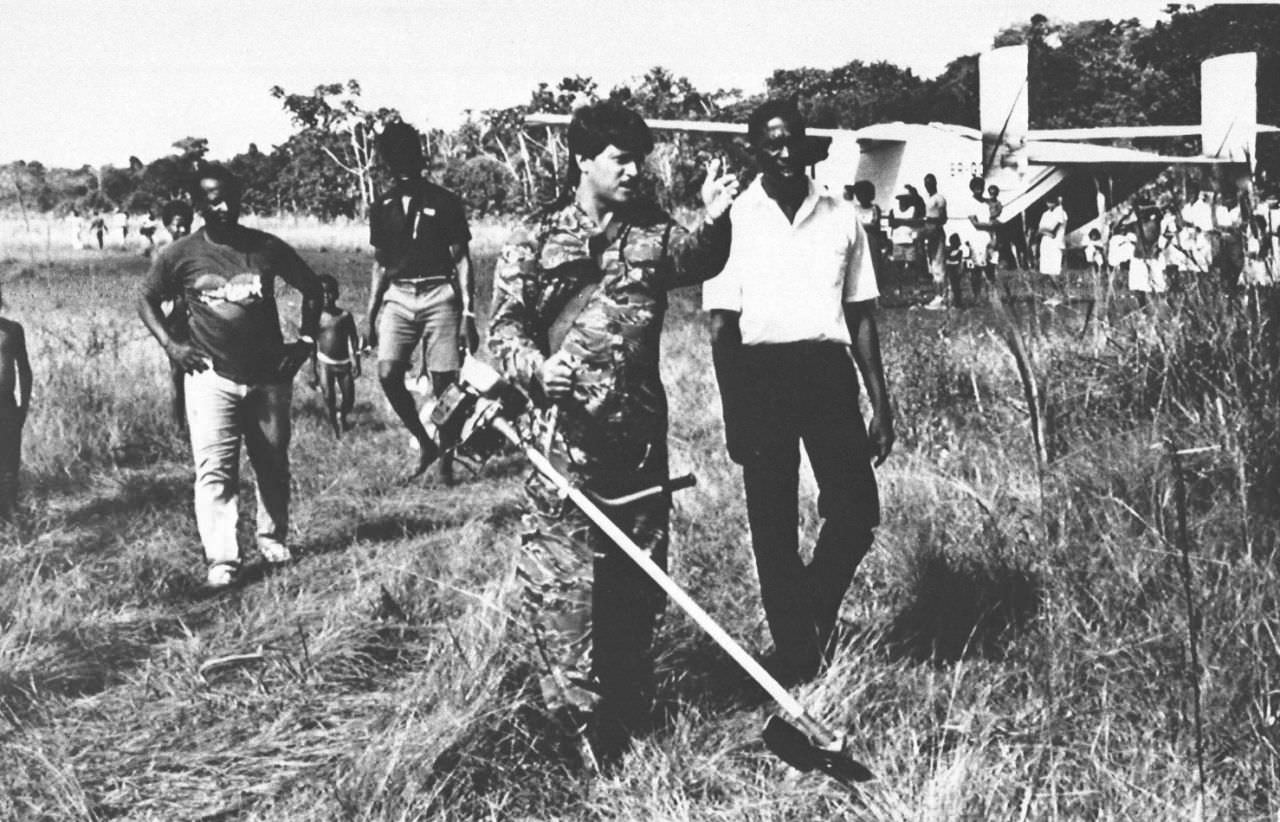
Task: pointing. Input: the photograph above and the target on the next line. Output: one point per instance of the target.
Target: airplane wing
(700, 126)
(1126, 132)
(1067, 154)
(687, 126)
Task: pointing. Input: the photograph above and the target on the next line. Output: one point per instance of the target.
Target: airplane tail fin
(1002, 110)
(1229, 107)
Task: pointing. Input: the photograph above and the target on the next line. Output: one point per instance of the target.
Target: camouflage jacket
(618, 409)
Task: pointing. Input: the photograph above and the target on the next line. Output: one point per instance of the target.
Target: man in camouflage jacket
(578, 306)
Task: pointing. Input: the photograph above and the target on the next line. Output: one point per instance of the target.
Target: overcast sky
(82, 81)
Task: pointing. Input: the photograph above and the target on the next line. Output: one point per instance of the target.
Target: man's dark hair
(175, 208)
(783, 108)
(597, 126)
(328, 282)
(232, 188)
(401, 148)
(864, 187)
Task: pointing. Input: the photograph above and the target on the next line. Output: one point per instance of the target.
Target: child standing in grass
(957, 256)
(1094, 254)
(336, 357)
(15, 372)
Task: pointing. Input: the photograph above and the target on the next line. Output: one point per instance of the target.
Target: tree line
(1089, 73)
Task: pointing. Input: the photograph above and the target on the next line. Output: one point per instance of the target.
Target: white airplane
(1026, 163)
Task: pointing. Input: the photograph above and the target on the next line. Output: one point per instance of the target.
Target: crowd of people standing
(1146, 246)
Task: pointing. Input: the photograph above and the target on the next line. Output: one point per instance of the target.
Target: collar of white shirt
(755, 197)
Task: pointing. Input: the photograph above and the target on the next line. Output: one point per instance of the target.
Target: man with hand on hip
(239, 381)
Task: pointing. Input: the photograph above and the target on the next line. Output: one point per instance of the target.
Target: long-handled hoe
(478, 406)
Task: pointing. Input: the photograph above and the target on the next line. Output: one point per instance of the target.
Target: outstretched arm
(700, 254)
(297, 274)
(861, 319)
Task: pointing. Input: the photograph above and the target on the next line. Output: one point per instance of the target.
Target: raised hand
(719, 189)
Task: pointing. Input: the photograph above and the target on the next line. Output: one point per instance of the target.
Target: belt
(421, 284)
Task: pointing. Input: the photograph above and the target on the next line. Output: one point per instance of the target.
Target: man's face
(219, 205)
(779, 151)
(179, 226)
(613, 175)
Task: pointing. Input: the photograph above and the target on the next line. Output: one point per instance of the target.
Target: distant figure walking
(75, 230)
(120, 222)
(98, 228)
(15, 402)
(147, 230)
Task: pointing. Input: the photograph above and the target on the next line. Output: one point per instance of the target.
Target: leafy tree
(342, 130)
(484, 183)
(853, 95)
(260, 174)
(661, 95)
(118, 185)
(309, 182)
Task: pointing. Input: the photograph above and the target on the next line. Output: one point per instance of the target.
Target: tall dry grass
(992, 667)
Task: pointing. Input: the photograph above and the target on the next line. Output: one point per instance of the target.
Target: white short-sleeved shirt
(1198, 214)
(790, 280)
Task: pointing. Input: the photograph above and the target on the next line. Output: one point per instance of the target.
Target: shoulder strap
(573, 309)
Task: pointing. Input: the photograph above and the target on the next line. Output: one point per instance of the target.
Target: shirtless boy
(336, 359)
(15, 371)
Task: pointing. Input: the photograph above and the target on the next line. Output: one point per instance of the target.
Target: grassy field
(1088, 635)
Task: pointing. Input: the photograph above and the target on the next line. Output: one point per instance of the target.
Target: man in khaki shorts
(421, 283)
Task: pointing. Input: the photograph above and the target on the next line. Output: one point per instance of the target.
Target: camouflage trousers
(590, 610)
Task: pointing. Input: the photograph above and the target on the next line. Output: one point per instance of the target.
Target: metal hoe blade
(794, 747)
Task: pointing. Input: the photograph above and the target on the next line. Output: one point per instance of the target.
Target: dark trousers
(11, 420)
(778, 397)
(592, 610)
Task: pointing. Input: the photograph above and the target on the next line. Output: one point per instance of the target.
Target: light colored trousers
(221, 412)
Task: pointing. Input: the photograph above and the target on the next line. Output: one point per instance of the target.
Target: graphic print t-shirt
(230, 294)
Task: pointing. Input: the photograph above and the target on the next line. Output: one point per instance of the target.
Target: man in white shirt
(792, 313)
(1197, 221)
(934, 233)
